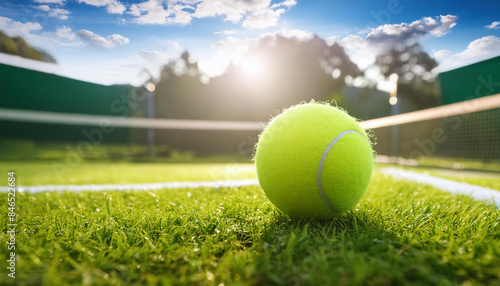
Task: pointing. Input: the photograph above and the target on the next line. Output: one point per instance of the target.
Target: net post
(150, 87)
(393, 101)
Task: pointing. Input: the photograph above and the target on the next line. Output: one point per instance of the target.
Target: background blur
(273, 71)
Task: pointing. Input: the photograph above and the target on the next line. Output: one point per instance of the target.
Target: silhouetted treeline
(19, 47)
(289, 71)
(286, 72)
(413, 67)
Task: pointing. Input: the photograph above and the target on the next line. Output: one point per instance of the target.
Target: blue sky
(114, 41)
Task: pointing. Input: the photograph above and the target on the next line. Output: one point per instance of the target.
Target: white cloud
(98, 3)
(447, 22)
(135, 10)
(361, 52)
(289, 3)
(379, 39)
(494, 25)
(231, 49)
(64, 33)
(154, 12)
(44, 8)
(112, 6)
(262, 19)
(226, 32)
(412, 32)
(351, 42)
(54, 12)
(50, 1)
(226, 51)
(32, 33)
(135, 69)
(118, 40)
(175, 45)
(154, 57)
(115, 7)
(286, 3)
(256, 14)
(48, 41)
(231, 46)
(482, 47)
(232, 10)
(153, 61)
(150, 12)
(440, 55)
(179, 14)
(478, 50)
(109, 42)
(14, 28)
(331, 40)
(114, 71)
(297, 34)
(62, 37)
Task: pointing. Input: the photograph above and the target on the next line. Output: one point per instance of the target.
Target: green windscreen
(472, 81)
(33, 90)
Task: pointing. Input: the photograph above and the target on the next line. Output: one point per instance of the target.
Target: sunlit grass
(460, 163)
(400, 233)
(486, 179)
(50, 173)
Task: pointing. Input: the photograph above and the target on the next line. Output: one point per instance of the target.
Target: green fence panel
(472, 81)
(33, 90)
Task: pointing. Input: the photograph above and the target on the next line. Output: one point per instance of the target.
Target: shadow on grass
(349, 249)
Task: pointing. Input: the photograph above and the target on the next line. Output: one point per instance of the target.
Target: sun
(252, 66)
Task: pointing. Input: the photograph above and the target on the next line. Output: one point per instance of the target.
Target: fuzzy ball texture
(292, 148)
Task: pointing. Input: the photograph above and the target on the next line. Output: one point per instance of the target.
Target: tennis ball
(314, 161)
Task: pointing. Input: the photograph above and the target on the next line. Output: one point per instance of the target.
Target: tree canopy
(19, 47)
(289, 71)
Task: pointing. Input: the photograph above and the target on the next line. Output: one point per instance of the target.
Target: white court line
(473, 191)
(140, 187)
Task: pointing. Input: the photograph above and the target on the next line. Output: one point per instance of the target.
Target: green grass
(460, 163)
(487, 179)
(400, 233)
(12, 150)
(46, 173)
(483, 182)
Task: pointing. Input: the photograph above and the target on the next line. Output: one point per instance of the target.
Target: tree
(291, 71)
(19, 47)
(414, 68)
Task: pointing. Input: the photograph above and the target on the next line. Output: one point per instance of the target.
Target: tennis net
(468, 129)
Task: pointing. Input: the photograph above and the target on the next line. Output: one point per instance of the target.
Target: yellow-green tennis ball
(314, 161)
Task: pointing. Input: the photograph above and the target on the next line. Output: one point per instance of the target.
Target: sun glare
(252, 67)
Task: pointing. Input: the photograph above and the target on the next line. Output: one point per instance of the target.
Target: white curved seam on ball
(322, 162)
